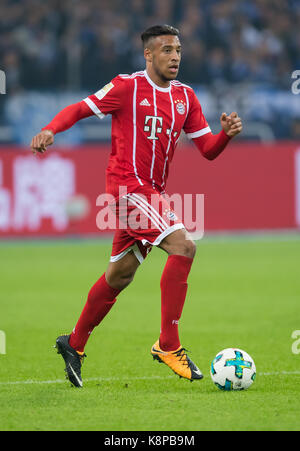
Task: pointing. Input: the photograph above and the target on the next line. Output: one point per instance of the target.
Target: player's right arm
(65, 119)
(105, 101)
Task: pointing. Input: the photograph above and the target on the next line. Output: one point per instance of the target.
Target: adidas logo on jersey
(145, 103)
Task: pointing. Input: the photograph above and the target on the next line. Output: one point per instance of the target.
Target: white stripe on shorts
(155, 212)
(146, 213)
(134, 249)
(164, 234)
(152, 213)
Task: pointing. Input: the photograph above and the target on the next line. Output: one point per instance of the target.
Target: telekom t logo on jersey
(156, 126)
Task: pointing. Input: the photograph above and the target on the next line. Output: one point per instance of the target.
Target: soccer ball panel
(233, 369)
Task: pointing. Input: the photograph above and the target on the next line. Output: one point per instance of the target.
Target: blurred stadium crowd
(237, 55)
(77, 44)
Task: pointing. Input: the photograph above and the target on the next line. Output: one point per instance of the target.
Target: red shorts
(145, 218)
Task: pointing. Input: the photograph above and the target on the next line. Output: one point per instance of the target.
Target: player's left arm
(197, 129)
(212, 145)
(232, 124)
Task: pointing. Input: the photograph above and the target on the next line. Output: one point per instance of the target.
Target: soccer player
(149, 110)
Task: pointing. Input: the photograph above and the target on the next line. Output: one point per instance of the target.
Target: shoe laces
(182, 355)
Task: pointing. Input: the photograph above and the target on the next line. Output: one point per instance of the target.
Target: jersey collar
(155, 85)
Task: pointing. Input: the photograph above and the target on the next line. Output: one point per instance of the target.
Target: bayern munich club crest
(180, 106)
(170, 215)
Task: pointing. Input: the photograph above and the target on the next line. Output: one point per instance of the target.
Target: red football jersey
(146, 124)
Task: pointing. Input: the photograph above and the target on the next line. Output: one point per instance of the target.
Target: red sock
(173, 292)
(100, 300)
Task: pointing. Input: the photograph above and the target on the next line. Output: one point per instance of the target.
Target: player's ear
(148, 55)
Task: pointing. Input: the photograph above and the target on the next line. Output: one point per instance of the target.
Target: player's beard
(164, 77)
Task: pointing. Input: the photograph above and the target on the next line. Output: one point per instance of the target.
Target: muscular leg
(120, 274)
(181, 250)
(179, 243)
(102, 297)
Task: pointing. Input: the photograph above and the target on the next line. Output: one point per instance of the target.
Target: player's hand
(232, 124)
(41, 141)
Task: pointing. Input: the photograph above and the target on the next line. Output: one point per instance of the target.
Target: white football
(233, 369)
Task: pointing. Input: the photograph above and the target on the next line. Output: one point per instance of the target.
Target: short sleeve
(195, 124)
(108, 99)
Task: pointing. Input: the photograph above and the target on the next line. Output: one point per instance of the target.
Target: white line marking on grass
(93, 379)
(126, 379)
(280, 373)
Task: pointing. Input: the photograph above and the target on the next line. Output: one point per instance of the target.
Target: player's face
(166, 56)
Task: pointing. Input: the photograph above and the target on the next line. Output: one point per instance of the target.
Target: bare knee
(191, 250)
(187, 248)
(119, 281)
(179, 243)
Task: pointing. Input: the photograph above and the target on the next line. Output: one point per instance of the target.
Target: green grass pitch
(242, 293)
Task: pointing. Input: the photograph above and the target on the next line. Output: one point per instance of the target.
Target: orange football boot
(178, 361)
